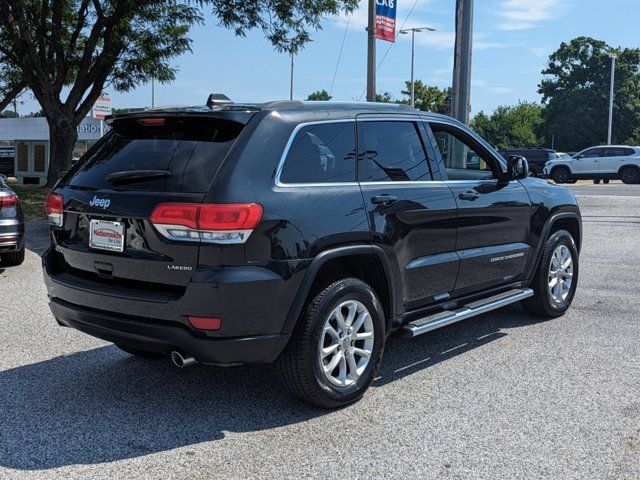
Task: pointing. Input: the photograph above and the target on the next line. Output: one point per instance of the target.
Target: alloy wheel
(346, 343)
(560, 274)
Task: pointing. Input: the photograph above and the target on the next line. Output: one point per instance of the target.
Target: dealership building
(29, 138)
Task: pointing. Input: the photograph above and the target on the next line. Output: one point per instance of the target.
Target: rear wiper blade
(130, 176)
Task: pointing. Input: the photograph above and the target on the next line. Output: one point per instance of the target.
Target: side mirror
(517, 167)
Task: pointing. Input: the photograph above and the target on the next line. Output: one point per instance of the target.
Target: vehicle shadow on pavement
(103, 405)
(36, 236)
(405, 356)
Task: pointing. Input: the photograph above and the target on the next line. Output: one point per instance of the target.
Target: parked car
(11, 226)
(302, 234)
(598, 163)
(536, 156)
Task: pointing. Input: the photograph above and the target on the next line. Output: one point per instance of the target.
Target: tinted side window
(619, 152)
(394, 152)
(594, 153)
(323, 153)
(460, 155)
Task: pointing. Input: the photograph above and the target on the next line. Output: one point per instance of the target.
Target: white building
(30, 137)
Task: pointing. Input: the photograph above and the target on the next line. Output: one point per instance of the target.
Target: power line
(340, 54)
(392, 44)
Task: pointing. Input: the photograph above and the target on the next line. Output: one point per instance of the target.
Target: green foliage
(575, 90)
(8, 114)
(384, 97)
(428, 98)
(319, 95)
(511, 126)
(285, 23)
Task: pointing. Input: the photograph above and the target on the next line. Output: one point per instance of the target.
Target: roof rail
(281, 104)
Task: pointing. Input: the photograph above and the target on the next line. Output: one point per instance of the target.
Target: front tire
(336, 349)
(561, 175)
(556, 277)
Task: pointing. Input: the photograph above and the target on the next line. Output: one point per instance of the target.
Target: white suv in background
(597, 163)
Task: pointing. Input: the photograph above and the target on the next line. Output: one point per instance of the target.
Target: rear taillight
(8, 202)
(224, 223)
(205, 323)
(54, 208)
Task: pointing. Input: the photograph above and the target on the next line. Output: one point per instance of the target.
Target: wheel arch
(570, 221)
(367, 262)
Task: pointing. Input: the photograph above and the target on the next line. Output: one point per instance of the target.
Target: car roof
(302, 110)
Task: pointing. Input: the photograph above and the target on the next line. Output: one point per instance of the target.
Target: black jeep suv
(301, 234)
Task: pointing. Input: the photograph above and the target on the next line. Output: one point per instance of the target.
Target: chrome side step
(442, 319)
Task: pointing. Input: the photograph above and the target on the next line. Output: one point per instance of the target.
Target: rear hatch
(106, 235)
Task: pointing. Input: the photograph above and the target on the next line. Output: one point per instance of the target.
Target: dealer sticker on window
(106, 235)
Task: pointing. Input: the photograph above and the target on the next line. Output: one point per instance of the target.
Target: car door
(411, 216)
(587, 162)
(614, 159)
(494, 213)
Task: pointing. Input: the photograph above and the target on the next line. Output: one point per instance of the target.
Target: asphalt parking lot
(500, 396)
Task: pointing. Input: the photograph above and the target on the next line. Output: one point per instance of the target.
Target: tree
(428, 98)
(575, 90)
(8, 114)
(511, 126)
(79, 47)
(384, 97)
(319, 95)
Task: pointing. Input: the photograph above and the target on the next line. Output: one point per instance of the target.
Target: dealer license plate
(105, 235)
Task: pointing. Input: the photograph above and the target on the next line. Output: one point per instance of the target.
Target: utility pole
(291, 82)
(371, 53)
(461, 91)
(611, 95)
(153, 93)
(413, 56)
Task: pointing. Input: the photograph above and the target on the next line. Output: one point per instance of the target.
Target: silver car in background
(613, 162)
(11, 226)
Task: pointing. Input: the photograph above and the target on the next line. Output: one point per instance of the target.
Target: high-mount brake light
(54, 209)
(152, 122)
(209, 223)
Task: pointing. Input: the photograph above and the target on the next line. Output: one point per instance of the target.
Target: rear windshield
(188, 150)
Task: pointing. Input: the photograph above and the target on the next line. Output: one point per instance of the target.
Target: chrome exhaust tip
(182, 361)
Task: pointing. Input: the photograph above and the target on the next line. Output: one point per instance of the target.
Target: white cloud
(524, 14)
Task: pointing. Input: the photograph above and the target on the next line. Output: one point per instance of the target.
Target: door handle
(471, 196)
(384, 199)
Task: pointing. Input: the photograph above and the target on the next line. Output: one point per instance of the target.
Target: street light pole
(413, 56)
(371, 52)
(611, 96)
(291, 84)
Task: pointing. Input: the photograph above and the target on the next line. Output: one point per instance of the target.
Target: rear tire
(561, 175)
(140, 353)
(336, 348)
(630, 175)
(556, 277)
(13, 259)
(605, 181)
(596, 181)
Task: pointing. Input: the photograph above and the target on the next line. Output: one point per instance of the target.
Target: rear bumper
(163, 338)
(11, 236)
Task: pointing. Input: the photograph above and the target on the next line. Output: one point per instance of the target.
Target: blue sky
(513, 39)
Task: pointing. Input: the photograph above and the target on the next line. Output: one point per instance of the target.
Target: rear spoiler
(235, 113)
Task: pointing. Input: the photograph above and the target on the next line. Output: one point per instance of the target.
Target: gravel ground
(499, 396)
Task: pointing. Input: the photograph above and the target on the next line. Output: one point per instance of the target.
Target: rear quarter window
(190, 149)
(322, 153)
